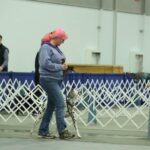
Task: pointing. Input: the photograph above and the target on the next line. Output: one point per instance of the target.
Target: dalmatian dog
(70, 103)
(71, 98)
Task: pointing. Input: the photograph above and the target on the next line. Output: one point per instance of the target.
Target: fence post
(92, 109)
(149, 123)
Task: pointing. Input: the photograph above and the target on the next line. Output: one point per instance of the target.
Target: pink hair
(57, 33)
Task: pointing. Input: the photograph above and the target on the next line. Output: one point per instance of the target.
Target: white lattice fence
(20, 100)
(106, 104)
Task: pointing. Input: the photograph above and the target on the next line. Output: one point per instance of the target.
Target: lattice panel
(122, 103)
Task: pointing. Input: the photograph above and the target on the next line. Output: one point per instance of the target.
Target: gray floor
(16, 136)
(34, 144)
(91, 140)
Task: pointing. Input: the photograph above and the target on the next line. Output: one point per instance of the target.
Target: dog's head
(72, 96)
(73, 93)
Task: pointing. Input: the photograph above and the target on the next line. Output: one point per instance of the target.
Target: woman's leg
(58, 100)
(44, 126)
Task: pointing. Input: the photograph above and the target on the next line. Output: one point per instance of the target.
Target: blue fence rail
(29, 76)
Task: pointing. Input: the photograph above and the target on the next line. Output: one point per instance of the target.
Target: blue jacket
(51, 59)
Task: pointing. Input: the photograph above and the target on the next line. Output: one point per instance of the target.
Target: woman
(51, 67)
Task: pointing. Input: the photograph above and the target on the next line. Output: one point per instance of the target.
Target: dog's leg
(39, 117)
(71, 113)
(75, 124)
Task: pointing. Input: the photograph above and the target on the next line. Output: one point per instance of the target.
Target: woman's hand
(1, 68)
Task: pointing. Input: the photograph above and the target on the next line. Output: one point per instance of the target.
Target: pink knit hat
(58, 32)
(46, 37)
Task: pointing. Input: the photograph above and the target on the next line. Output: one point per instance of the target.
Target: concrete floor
(16, 136)
(21, 139)
(36, 144)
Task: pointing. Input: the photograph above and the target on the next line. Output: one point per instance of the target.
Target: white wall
(106, 37)
(23, 23)
(146, 49)
(128, 35)
(133, 34)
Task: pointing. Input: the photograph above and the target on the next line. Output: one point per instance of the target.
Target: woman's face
(59, 41)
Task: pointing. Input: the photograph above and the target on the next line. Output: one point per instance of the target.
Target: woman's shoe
(46, 135)
(66, 135)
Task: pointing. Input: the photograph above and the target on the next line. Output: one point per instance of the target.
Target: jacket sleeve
(45, 59)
